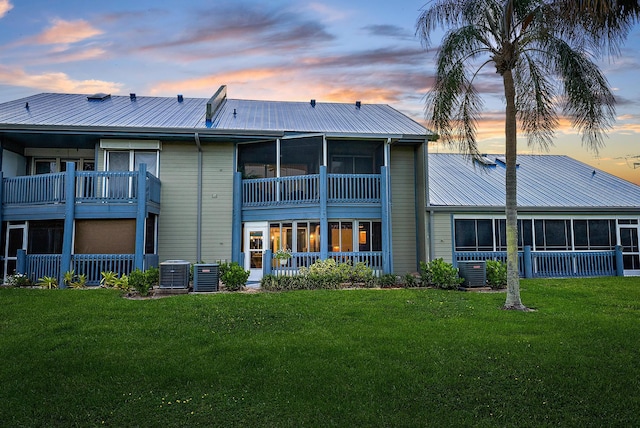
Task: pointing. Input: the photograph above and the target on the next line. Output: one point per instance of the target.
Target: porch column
(619, 261)
(267, 257)
(69, 218)
(21, 261)
(324, 223)
(236, 225)
(528, 262)
(1, 194)
(141, 215)
(386, 219)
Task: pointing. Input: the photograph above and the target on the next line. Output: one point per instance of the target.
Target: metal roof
(168, 113)
(544, 181)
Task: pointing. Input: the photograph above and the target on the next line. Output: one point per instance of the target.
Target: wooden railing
(39, 265)
(305, 189)
(354, 187)
(90, 187)
(34, 189)
(552, 264)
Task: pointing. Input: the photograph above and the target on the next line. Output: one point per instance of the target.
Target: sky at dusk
(271, 50)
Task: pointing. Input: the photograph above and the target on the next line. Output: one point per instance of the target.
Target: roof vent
(26, 106)
(485, 161)
(215, 102)
(180, 98)
(132, 96)
(358, 104)
(100, 96)
(313, 103)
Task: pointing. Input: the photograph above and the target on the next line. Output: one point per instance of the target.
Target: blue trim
(236, 225)
(386, 219)
(324, 215)
(267, 257)
(453, 241)
(21, 261)
(140, 217)
(1, 197)
(619, 261)
(69, 217)
(528, 265)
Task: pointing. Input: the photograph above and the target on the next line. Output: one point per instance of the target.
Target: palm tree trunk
(511, 204)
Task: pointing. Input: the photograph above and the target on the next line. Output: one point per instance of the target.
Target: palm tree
(545, 67)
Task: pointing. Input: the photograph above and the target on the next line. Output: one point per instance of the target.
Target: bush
(387, 280)
(18, 280)
(440, 274)
(138, 282)
(409, 280)
(496, 274)
(233, 276)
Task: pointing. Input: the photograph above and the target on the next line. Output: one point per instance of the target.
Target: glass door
(16, 240)
(256, 241)
(630, 248)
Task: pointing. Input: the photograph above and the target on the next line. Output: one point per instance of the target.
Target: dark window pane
(527, 232)
(555, 234)
(599, 238)
(364, 236)
(45, 237)
(376, 236)
(539, 227)
(580, 235)
(485, 235)
(465, 235)
(257, 160)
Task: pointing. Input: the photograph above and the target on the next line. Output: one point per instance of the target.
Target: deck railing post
(324, 223)
(528, 262)
(619, 261)
(21, 261)
(386, 221)
(141, 214)
(267, 256)
(69, 219)
(236, 222)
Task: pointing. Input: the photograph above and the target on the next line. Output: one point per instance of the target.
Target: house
(102, 182)
(571, 217)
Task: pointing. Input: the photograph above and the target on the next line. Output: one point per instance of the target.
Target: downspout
(428, 207)
(199, 202)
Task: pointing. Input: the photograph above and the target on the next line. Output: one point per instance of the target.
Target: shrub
(387, 280)
(75, 281)
(109, 279)
(233, 276)
(18, 280)
(48, 282)
(440, 274)
(496, 274)
(138, 282)
(409, 280)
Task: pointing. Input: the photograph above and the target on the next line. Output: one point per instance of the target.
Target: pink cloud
(64, 32)
(55, 82)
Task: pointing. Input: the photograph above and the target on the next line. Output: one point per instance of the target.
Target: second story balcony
(311, 189)
(95, 194)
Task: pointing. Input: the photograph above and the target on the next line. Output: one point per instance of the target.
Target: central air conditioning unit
(205, 277)
(474, 273)
(174, 274)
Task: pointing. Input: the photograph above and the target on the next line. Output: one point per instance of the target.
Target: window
(340, 236)
(304, 236)
(131, 160)
(474, 235)
(45, 237)
(47, 166)
(594, 234)
(150, 234)
(355, 157)
(525, 232)
(552, 235)
(369, 235)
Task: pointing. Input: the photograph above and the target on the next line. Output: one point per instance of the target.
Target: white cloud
(55, 82)
(5, 6)
(64, 32)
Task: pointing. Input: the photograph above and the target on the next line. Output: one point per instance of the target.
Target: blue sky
(279, 50)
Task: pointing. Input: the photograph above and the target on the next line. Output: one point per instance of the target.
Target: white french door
(16, 239)
(628, 235)
(256, 241)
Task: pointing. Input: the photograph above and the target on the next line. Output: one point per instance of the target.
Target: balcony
(307, 189)
(95, 194)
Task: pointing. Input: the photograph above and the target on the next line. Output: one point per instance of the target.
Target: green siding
(443, 246)
(217, 201)
(177, 220)
(403, 210)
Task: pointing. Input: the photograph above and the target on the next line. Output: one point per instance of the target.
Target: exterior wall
(217, 201)
(403, 210)
(177, 223)
(442, 240)
(13, 164)
(421, 202)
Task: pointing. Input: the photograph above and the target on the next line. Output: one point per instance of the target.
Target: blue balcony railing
(305, 189)
(553, 264)
(90, 187)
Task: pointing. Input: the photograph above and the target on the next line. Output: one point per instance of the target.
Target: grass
(323, 358)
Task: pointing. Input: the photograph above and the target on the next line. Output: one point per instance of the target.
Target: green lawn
(347, 358)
